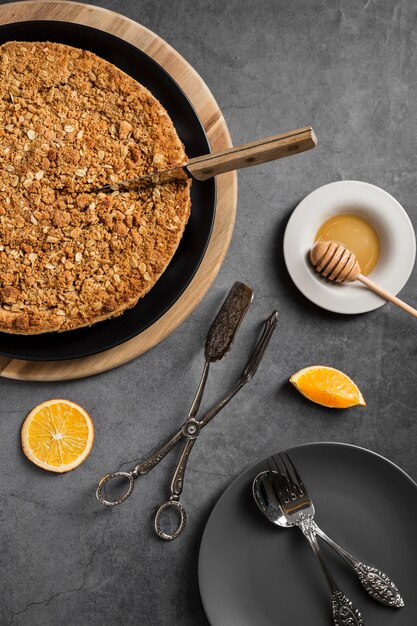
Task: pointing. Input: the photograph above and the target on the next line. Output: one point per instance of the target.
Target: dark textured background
(347, 67)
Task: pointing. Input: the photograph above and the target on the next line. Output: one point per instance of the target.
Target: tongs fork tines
(218, 342)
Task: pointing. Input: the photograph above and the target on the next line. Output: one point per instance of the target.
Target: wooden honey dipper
(335, 262)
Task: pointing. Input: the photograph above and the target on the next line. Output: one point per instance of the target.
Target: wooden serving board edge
(226, 190)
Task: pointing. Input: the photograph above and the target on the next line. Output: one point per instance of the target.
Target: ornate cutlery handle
(376, 583)
(344, 611)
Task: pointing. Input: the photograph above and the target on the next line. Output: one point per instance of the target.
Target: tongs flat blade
(223, 330)
(221, 334)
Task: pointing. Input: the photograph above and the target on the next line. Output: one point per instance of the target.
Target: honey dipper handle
(253, 153)
(386, 295)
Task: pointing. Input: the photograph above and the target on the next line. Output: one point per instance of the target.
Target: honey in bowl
(357, 234)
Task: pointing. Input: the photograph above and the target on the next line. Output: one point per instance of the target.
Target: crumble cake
(71, 121)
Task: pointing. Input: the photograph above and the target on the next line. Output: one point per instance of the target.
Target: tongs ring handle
(181, 523)
(129, 476)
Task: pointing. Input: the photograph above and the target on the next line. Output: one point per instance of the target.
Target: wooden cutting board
(226, 191)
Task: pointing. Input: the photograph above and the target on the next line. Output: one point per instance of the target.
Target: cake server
(239, 157)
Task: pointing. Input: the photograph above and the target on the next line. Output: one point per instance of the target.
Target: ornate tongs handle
(177, 506)
(129, 478)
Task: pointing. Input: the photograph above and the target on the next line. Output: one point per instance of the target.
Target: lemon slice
(327, 386)
(57, 435)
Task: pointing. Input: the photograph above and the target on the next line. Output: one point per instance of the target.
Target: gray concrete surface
(348, 67)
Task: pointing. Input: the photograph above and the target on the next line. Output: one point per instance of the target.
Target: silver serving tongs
(218, 343)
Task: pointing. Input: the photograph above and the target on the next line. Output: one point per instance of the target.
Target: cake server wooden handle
(387, 295)
(254, 153)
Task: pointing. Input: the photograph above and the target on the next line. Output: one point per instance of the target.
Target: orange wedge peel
(57, 435)
(328, 387)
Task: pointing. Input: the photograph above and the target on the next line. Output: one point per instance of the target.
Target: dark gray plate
(252, 573)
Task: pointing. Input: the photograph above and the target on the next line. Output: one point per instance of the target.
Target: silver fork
(299, 511)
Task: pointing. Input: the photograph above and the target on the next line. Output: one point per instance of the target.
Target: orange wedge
(327, 386)
(57, 435)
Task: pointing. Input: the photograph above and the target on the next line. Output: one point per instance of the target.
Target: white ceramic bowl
(398, 244)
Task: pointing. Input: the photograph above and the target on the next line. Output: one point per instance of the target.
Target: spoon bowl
(263, 493)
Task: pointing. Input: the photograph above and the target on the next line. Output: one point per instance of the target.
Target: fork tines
(284, 477)
(298, 482)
